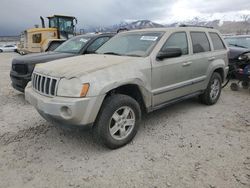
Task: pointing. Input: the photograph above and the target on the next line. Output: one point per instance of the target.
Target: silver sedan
(8, 48)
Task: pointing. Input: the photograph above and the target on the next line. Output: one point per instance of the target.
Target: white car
(8, 48)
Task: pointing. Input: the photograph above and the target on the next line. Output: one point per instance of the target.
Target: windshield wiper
(133, 55)
(112, 53)
(237, 45)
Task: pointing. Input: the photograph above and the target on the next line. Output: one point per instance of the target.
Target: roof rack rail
(185, 25)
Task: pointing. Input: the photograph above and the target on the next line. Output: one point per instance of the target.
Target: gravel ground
(185, 145)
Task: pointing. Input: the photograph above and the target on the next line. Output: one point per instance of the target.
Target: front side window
(37, 38)
(138, 44)
(217, 42)
(177, 40)
(200, 42)
(73, 45)
(97, 43)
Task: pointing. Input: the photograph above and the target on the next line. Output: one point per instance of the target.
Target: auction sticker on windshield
(151, 38)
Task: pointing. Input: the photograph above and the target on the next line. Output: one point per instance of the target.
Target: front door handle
(186, 63)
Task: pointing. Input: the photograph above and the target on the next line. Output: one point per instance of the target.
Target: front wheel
(118, 121)
(213, 91)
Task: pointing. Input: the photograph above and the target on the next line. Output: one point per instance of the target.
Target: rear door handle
(186, 63)
(211, 58)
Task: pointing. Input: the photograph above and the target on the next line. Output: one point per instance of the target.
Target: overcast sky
(17, 15)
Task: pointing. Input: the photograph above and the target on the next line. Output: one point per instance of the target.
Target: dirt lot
(185, 145)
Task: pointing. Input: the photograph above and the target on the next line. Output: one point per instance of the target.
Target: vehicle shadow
(82, 137)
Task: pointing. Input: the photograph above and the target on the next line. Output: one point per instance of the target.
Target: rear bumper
(64, 110)
(19, 82)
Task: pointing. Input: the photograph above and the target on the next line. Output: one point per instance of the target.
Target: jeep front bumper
(65, 110)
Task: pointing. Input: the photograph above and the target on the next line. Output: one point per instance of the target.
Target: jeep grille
(45, 85)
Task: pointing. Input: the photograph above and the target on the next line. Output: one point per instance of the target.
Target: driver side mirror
(169, 53)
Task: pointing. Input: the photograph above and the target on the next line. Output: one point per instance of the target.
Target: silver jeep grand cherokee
(135, 71)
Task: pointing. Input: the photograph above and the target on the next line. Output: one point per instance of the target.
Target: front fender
(136, 72)
(146, 94)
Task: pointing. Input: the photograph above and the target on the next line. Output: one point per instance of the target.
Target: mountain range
(139, 24)
(226, 27)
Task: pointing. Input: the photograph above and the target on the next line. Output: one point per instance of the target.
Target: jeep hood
(40, 57)
(81, 65)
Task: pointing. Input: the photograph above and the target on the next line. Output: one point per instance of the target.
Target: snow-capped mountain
(235, 26)
(140, 24)
(143, 24)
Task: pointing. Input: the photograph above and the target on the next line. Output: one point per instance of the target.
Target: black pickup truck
(23, 66)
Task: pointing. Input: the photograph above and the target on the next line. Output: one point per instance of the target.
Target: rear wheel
(213, 91)
(118, 121)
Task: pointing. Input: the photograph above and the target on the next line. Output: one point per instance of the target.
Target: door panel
(171, 77)
(201, 59)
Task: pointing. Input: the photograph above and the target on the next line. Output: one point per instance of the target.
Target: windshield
(73, 45)
(138, 44)
(243, 42)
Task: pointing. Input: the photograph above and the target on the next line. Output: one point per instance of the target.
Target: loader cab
(64, 24)
(42, 39)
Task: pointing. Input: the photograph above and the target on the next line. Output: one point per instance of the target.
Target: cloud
(17, 15)
(215, 6)
(23, 14)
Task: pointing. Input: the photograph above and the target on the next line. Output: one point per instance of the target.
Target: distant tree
(246, 22)
(245, 18)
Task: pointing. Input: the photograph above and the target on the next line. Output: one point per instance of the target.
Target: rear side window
(177, 40)
(200, 42)
(217, 42)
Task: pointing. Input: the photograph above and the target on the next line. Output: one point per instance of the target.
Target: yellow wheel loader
(60, 28)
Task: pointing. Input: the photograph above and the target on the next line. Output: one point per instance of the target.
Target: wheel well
(131, 90)
(221, 72)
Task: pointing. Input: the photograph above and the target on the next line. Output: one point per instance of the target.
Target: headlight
(244, 57)
(72, 88)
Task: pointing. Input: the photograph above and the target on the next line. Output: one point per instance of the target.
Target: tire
(213, 91)
(245, 84)
(110, 128)
(53, 46)
(1, 51)
(234, 87)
